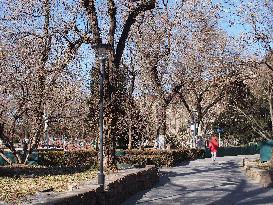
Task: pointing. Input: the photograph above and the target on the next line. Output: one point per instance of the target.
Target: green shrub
(80, 158)
(159, 157)
(132, 157)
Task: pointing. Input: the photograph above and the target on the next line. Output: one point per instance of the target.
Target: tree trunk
(130, 123)
(270, 102)
(130, 137)
(110, 143)
(271, 161)
(10, 146)
(111, 73)
(162, 115)
(200, 129)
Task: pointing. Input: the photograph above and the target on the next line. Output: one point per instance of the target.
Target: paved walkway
(201, 182)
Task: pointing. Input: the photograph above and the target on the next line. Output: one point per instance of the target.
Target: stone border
(118, 187)
(261, 176)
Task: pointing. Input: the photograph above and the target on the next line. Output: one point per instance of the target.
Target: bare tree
(193, 63)
(38, 54)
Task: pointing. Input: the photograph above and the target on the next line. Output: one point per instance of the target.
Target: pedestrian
(213, 146)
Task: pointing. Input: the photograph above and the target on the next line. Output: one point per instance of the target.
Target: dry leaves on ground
(12, 189)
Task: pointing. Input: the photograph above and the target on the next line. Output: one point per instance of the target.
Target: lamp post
(102, 52)
(219, 130)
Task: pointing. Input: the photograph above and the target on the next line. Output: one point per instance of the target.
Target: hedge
(88, 158)
(159, 157)
(82, 158)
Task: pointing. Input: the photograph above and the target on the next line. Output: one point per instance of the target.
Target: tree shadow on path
(240, 195)
(180, 194)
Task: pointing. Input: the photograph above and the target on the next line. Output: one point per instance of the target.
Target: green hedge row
(132, 157)
(68, 159)
(88, 158)
(159, 157)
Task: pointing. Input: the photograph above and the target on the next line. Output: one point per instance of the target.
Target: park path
(202, 182)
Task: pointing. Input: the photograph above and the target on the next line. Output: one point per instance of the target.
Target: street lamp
(219, 130)
(102, 50)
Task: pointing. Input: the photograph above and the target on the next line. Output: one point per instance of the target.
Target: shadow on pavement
(244, 197)
(239, 194)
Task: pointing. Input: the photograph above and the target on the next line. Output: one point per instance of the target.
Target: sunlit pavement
(204, 182)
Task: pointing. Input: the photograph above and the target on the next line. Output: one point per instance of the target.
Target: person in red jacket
(213, 146)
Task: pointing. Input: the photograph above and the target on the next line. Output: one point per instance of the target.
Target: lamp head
(102, 50)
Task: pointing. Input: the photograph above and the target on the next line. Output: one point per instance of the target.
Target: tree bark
(270, 102)
(130, 137)
(9, 144)
(162, 116)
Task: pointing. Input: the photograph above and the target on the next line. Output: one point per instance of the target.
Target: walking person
(213, 146)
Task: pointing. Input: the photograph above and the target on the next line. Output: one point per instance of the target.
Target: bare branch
(89, 5)
(254, 124)
(145, 6)
(112, 14)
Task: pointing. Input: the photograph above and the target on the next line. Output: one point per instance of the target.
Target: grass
(12, 188)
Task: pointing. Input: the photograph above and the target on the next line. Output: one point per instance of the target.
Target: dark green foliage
(234, 151)
(68, 159)
(159, 157)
